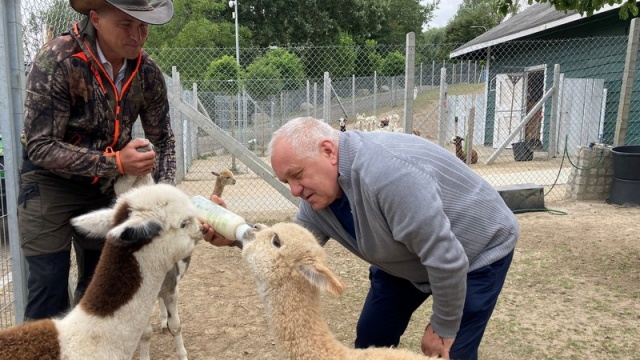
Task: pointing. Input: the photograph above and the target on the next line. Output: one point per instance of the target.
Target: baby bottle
(225, 222)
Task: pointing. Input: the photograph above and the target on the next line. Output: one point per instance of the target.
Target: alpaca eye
(275, 241)
(184, 224)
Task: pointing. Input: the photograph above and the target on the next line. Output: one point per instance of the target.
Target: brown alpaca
(224, 178)
(460, 151)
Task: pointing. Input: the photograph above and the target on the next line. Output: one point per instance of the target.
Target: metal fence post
(353, 96)
(555, 103)
(177, 125)
(442, 104)
(375, 92)
(626, 90)
(326, 101)
(308, 98)
(409, 82)
(11, 99)
(315, 100)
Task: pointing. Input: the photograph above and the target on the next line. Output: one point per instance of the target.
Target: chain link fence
(523, 107)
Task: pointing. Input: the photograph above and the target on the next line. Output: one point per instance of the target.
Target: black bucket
(625, 188)
(522, 151)
(624, 192)
(626, 162)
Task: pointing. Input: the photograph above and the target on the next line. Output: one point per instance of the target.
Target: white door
(462, 105)
(509, 103)
(581, 109)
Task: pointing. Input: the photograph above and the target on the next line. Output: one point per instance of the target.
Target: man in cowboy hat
(85, 90)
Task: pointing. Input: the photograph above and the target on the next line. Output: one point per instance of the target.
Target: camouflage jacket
(75, 120)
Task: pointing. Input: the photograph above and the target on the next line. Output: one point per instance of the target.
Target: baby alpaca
(460, 153)
(224, 178)
(168, 294)
(290, 271)
(343, 124)
(147, 230)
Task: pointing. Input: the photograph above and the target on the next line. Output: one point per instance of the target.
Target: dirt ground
(572, 293)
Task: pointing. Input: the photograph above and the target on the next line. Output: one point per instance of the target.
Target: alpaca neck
(295, 314)
(116, 308)
(218, 188)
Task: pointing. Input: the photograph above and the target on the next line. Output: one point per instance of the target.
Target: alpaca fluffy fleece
(290, 271)
(148, 230)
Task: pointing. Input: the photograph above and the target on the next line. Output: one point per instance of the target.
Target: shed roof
(534, 19)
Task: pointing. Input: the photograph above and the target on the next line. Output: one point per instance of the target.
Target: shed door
(509, 103)
(581, 108)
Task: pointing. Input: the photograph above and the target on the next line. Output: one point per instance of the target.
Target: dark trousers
(46, 204)
(391, 302)
(47, 284)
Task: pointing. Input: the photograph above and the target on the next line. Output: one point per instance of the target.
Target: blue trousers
(391, 302)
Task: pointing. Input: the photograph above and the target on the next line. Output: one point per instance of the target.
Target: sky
(446, 10)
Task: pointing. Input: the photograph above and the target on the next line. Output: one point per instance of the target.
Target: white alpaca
(148, 230)
(288, 266)
(168, 294)
(371, 123)
(360, 120)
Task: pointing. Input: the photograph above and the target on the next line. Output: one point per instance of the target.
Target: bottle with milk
(225, 222)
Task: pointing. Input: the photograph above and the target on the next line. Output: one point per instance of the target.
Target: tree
(430, 46)
(472, 18)
(196, 24)
(402, 17)
(223, 76)
(393, 64)
(368, 59)
(263, 79)
(289, 67)
(305, 22)
(299, 22)
(629, 7)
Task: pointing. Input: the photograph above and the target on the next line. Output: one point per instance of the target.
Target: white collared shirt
(109, 69)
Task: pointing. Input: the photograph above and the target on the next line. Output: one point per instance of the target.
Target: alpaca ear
(95, 224)
(135, 232)
(322, 277)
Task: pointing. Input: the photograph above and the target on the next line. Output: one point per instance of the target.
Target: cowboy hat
(158, 12)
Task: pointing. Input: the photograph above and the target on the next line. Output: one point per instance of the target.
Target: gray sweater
(420, 214)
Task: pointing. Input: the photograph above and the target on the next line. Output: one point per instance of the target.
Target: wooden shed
(520, 55)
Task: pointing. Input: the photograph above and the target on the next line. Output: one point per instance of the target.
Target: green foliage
(310, 22)
(393, 64)
(402, 17)
(629, 7)
(289, 67)
(223, 76)
(471, 20)
(263, 79)
(299, 22)
(345, 57)
(431, 46)
(368, 59)
(197, 23)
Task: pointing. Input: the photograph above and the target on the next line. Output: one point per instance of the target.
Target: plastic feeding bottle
(225, 222)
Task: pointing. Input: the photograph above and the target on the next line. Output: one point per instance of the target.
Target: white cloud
(445, 12)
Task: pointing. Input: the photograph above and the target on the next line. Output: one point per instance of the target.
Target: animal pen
(228, 124)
